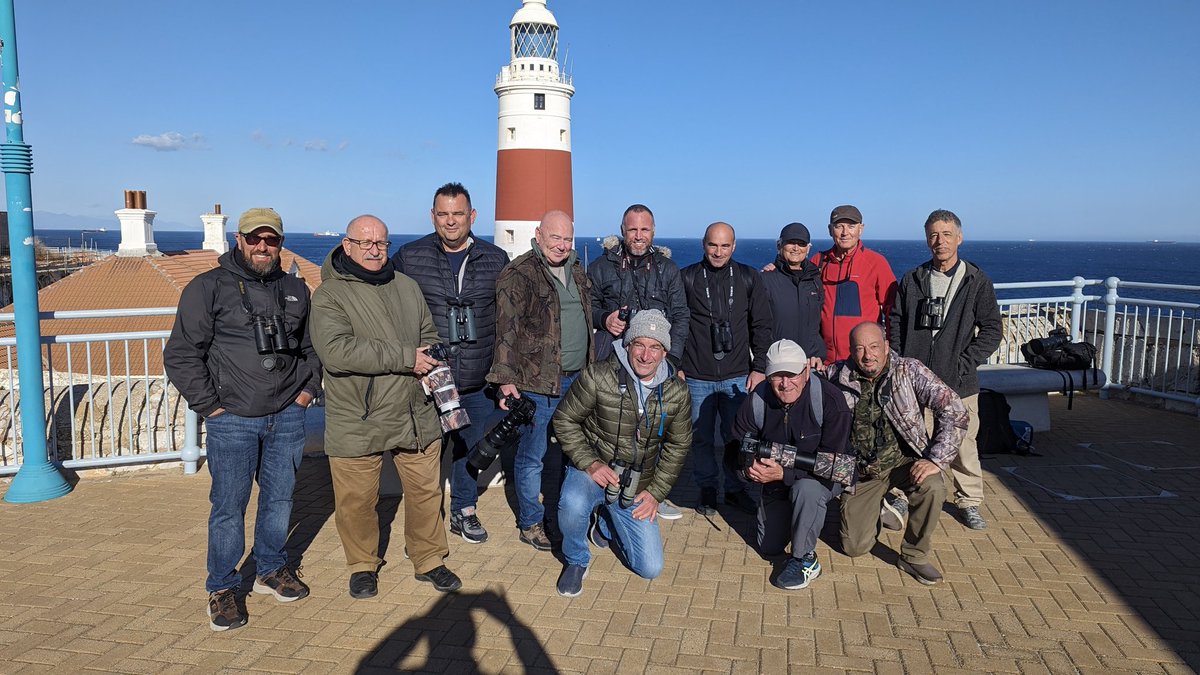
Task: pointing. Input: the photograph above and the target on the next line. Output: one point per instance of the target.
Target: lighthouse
(533, 160)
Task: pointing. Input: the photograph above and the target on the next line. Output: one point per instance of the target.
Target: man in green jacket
(626, 427)
(372, 328)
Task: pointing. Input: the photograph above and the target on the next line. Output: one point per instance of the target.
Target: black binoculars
(930, 313)
(461, 324)
(270, 337)
(722, 337)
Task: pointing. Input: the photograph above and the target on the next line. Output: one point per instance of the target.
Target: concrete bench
(1027, 389)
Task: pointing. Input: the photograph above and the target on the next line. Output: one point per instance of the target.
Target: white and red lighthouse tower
(533, 163)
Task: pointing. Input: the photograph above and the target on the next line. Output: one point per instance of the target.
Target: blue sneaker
(798, 572)
(594, 535)
(570, 582)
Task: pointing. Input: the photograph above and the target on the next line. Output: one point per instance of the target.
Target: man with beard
(888, 395)
(240, 354)
(632, 275)
(794, 286)
(457, 274)
(372, 328)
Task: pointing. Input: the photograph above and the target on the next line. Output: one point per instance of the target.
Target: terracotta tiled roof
(122, 282)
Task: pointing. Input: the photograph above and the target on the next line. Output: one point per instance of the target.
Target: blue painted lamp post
(38, 479)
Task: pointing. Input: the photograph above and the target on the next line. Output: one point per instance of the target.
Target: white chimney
(137, 226)
(214, 231)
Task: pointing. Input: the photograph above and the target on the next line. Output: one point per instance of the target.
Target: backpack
(997, 433)
(1063, 355)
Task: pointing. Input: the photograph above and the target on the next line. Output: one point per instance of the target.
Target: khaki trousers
(860, 513)
(356, 494)
(965, 470)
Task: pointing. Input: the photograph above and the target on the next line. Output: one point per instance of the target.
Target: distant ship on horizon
(327, 233)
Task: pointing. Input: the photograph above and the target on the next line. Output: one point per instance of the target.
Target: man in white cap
(783, 410)
(626, 427)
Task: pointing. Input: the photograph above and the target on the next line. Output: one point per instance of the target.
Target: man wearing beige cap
(241, 356)
(809, 415)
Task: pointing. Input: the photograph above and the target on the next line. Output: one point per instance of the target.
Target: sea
(1003, 261)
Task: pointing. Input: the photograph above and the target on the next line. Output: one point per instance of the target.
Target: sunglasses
(254, 239)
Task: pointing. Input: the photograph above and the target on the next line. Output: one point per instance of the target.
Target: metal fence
(109, 402)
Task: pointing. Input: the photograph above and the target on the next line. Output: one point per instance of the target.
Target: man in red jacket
(859, 283)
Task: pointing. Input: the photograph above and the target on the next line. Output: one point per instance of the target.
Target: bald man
(887, 394)
(543, 340)
(372, 328)
(729, 331)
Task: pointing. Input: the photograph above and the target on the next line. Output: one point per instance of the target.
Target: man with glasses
(373, 330)
(241, 355)
(888, 394)
(792, 505)
(543, 340)
(625, 425)
(457, 275)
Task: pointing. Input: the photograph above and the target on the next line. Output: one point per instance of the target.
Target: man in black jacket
(726, 352)
(946, 317)
(241, 356)
(457, 275)
(794, 286)
(793, 502)
(633, 275)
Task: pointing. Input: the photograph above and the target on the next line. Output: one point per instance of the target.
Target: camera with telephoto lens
(501, 437)
(722, 337)
(626, 488)
(1055, 339)
(784, 455)
(624, 313)
(929, 313)
(461, 324)
(270, 336)
(439, 384)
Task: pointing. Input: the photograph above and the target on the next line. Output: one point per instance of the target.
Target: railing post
(190, 454)
(1110, 333)
(1077, 309)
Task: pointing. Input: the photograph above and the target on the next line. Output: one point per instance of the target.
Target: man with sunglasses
(888, 395)
(792, 504)
(241, 355)
(457, 275)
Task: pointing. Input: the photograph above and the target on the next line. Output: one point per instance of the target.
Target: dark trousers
(793, 513)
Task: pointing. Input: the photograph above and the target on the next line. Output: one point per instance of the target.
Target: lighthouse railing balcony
(513, 73)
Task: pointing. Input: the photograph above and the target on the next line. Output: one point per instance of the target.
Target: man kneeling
(625, 425)
(810, 417)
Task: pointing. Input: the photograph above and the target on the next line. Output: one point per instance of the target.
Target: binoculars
(270, 336)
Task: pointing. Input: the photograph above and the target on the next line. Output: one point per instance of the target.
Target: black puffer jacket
(425, 261)
(650, 281)
(211, 356)
(796, 305)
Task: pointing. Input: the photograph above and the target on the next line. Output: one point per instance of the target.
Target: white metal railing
(1146, 346)
(108, 400)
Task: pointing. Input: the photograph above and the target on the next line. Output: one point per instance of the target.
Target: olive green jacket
(597, 418)
(367, 337)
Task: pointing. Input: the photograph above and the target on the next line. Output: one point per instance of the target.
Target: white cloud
(316, 145)
(170, 141)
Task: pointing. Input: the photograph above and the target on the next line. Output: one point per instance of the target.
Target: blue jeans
(239, 450)
(531, 455)
(464, 490)
(710, 400)
(637, 542)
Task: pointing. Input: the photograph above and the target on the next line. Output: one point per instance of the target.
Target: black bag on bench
(1057, 352)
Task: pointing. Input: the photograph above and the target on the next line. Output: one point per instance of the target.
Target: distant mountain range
(48, 220)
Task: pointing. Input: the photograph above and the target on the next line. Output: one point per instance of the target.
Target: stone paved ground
(1089, 565)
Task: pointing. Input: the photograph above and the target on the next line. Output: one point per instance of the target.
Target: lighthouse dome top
(533, 11)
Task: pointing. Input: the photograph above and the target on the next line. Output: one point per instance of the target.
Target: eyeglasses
(780, 377)
(367, 244)
(254, 240)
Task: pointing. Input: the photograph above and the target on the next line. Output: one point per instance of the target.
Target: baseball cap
(786, 356)
(845, 212)
(255, 218)
(794, 232)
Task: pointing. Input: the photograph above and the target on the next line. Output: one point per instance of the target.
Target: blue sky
(1030, 119)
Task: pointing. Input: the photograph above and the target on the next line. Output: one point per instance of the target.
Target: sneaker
(536, 537)
(570, 582)
(364, 585)
(741, 501)
(798, 572)
(594, 535)
(668, 511)
(442, 579)
(223, 611)
(708, 502)
(283, 583)
(971, 518)
(891, 514)
(466, 524)
(923, 572)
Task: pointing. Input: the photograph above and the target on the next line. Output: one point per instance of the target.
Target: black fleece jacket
(747, 309)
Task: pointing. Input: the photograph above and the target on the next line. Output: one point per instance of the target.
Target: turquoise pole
(37, 480)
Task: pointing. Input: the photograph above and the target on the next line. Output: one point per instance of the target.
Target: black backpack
(1057, 352)
(996, 432)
